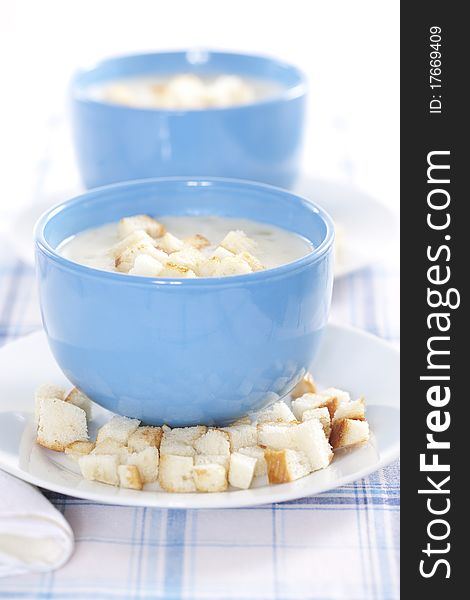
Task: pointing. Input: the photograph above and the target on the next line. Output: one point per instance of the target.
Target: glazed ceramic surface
(185, 351)
(258, 141)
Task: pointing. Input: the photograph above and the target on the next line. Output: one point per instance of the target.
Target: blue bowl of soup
(185, 351)
(259, 139)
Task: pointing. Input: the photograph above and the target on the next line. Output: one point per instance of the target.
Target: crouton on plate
(258, 453)
(286, 465)
(78, 398)
(60, 423)
(241, 435)
(305, 386)
(129, 477)
(351, 410)
(143, 437)
(100, 467)
(322, 414)
(176, 474)
(213, 442)
(348, 432)
(241, 470)
(79, 448)
(118, 428)
(279, 411)
(210, 478)
(46, 391)
(147, 462)
(208, 459)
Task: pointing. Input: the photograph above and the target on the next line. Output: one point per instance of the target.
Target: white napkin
(34, 536)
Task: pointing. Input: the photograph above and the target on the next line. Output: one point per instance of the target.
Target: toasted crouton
(340, 395)
(47, 390)
(238, 241)
(147, 462)
(119, 93)
(197, 241)
(241, 435)
(209, 459)
(310, 401)
(307, 402)
(125, 261)
(254, 263)
(78, 398)
(118, 428)
(242, 421)
(231, 265)
(170, 243)
(221, 253)
(146, 266)
(140, 222)
(176, 473)
(322, 414)
(309, 438)
(286, 465)
(348, 432)
(213, 442)
(210, 478)
(258, 453)
(133, 239)
(277, 412)
(351, 410)
(306, 386)
(77, 449)
(209, 266)
(275, 435)
(188, 257)
(111, 446)
(241, 470)
(100, 467)
(129, 477)
(183, 434)
(176, 448)
(60, 423)
(143, 437)
(171, 269)
(332, 403)
(179, 441)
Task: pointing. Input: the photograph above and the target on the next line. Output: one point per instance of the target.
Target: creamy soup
(183, 91)
(185, 246)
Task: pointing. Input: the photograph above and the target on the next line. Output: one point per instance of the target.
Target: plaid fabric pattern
(340, 544)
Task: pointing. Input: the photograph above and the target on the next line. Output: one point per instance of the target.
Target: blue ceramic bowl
(185, 351)
(260, 141)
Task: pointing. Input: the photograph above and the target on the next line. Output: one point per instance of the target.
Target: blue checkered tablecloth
(340, 544)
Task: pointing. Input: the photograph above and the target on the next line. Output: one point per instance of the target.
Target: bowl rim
(41, 244)
(287, 93)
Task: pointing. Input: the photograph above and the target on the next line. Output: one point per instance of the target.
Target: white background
(349, 51)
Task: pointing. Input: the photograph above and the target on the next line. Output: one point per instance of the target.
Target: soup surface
(208, 246)
(183, 91)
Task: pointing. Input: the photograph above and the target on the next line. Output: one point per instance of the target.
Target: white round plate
(367, 227)
(348, 359)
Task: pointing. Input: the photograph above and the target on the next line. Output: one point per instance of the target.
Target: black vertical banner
(435, 250)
